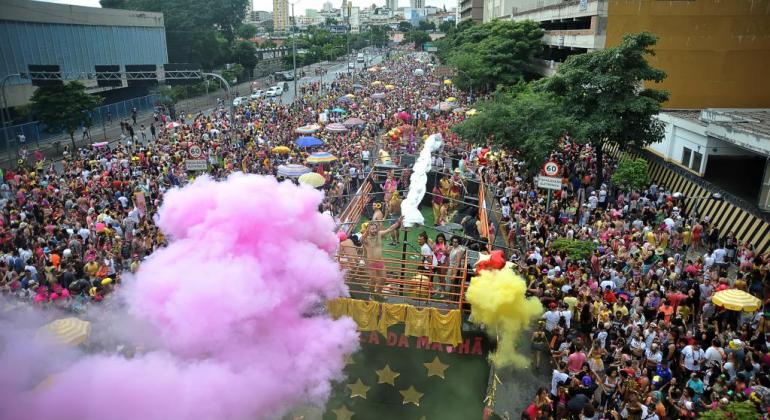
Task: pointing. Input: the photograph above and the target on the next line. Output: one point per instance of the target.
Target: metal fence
(35, 133)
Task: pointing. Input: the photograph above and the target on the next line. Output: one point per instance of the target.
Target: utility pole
(294, 47)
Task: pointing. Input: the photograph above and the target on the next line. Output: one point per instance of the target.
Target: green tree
(606, 93)
(631, 174)
(246, 31)
(524, 120)
(426, 25)
(417, 37)
(267, 26)
(575, 249)
(744, 410)
(505, 48)
(268, 43)
(244, 53)
(404, 26)
(331, 21)
(446, 26)
(64, 108)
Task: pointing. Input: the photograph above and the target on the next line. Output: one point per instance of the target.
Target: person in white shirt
(551, 317)
(692, 356)
(558, 376)
(715, 353)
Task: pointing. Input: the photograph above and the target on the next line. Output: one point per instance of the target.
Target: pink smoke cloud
(229, 298)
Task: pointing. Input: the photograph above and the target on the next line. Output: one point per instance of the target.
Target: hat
(552, 305)
(659, 251)
(587, 381)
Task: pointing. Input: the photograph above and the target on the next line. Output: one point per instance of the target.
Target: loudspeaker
(141, 74)
(108, 76)
(45, 75)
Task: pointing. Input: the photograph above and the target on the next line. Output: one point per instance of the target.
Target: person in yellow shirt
(90, 268)
(649, 237)
(618, 307)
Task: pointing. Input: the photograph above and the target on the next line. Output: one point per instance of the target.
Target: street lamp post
(294, 46)
(229, 93)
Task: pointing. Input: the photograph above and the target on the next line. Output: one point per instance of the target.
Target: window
(686, 153)
(697, 158)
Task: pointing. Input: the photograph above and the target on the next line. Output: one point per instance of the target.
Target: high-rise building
(345, 12)
(392, 5)
(471, 10)
(280, 15)
(417, 4)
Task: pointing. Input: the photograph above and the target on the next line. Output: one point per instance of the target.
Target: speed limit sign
(551, 168)
(195, 151)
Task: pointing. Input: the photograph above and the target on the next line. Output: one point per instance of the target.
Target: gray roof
(751, 120)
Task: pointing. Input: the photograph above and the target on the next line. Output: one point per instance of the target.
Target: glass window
(686, 153)
(697, 158)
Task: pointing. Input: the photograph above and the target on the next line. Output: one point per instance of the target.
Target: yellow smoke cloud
(498, 301)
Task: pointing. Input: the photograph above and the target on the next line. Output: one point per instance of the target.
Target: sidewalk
(111, 131)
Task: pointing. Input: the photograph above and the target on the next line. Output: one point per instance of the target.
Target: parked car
(241, 100)
(279, 89)
(256, 94)
(351, 65)
(271, 92)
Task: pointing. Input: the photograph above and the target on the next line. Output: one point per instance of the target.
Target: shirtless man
(373, 253)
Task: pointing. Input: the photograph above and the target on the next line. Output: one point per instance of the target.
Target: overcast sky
(299, 5)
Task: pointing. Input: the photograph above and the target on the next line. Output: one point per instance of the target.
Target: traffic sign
(551, 168)
(549, 182)
(195, 164)
(195, 151)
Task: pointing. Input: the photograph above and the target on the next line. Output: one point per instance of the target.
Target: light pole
(294, 46)
(229, 94)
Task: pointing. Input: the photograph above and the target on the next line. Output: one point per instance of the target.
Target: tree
(604, 91)
(575, 249)
(524, 120)
(745, 410)
(446, 26)
(404, 26)
(505, 48)
(426, 25)
(245, 54)
(64, 108)
(330, 21)
(246, 31)
(631, 174)
(417, 37)
(268, 43)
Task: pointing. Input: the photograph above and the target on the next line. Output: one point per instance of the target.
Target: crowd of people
(630, 328)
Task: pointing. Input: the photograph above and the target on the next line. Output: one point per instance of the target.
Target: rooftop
(53, 13)
(750, 120)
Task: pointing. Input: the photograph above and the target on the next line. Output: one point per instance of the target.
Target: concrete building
(260, 16)
(417, 4)
(355, 20)
(727, 147)
(281, 22)
(76, 39)
(471, 10)
(710, 49)
(392, 5)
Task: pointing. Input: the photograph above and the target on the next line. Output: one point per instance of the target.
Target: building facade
(471, 10)
(710, 49)
(281, 15)
(76, 39)
(417, 4)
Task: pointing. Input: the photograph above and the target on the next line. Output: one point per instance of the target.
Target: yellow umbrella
(314, 179)
(736, 300)
(73, 331)
(451, 99)
(376, 83)
(350, 95)
(447, 82)
(390, 87)
(281, 150)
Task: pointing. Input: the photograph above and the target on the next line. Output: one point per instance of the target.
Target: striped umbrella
(336, 128)
(314, 179)
(736, 300)
(308, 129)
(321, 157)
(292, 170)
(378, 95)
(352, 122)
(72, 331)
(306, 141)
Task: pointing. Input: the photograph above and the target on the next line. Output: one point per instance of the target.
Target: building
(471, 10)
(281, 16)
(392, 5)
(710, 49)
(417, 4)
(76, 39)
(327, 7)
(259, 16)
(354, 20)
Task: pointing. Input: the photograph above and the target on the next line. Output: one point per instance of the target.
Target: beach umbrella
(72, 331)
(418, 72)
(353, 121)
(308, 141)
(350, 95)
(451, 99)
(100, 144)
(321, 157)
(283, 150)
(313, 179)
(376, 83)
(339, 110)
(448, 82)
(172, 125)
(378, 95)
(390, 87)
(736, 300)
(308, 129)
(292, 170)
(336, 128)
(344, 100)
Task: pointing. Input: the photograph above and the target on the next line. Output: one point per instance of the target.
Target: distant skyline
(299, 5)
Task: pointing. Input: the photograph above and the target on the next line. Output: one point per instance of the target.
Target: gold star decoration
(358, 389)
(349, 360)
(343, 413)
(411, 395)
(387, 376)
(436, 368)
